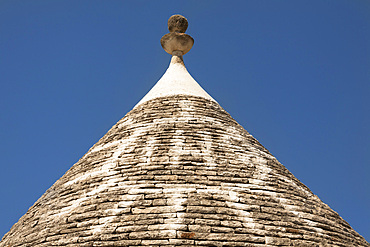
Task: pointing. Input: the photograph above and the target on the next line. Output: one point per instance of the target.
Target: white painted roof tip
(176, 80)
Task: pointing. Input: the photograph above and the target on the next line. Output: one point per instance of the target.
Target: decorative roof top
(178, 170)
(177, 79)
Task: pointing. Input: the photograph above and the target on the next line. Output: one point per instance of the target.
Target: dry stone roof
(178, 170)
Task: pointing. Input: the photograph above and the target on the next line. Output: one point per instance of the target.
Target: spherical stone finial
(177, 23)
(177, 42)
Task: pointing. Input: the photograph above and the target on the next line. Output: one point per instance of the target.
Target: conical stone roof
(178, 170)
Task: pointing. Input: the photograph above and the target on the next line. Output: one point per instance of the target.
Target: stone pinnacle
(177, 42)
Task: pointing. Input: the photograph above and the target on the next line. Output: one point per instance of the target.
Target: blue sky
(295, 74)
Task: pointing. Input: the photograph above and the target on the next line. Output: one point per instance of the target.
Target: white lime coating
(176, 80)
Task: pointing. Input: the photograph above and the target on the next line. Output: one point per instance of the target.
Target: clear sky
(295, 74)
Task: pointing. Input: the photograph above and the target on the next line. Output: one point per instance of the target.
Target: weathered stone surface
(179, 171)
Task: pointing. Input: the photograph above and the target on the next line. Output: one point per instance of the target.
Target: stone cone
(179, 171)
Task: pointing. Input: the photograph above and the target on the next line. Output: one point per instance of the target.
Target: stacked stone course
(179, 171)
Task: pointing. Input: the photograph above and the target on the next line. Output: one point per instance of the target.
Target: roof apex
(176, 80)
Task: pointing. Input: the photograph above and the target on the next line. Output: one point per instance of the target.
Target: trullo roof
(178, 170)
